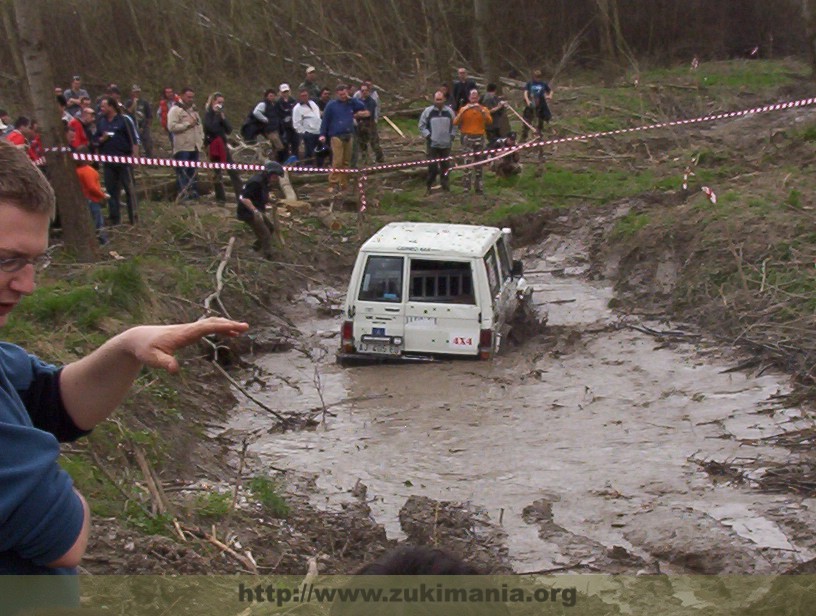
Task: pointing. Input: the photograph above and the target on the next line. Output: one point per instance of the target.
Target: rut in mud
(590, 446)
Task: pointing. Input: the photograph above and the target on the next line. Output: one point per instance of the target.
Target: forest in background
(405, 46)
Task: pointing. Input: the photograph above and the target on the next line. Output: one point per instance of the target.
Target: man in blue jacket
(44, 521)
(337, 128)
(116, 136)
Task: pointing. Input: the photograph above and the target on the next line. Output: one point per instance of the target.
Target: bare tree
(809, 13)
(71, 204)
(485, 40)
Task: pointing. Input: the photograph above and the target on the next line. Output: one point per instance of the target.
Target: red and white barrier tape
(710, 194)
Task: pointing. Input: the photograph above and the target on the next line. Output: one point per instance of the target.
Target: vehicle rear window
(382, 280)
(446, 282)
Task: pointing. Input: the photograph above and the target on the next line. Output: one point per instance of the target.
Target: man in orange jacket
(473, 120)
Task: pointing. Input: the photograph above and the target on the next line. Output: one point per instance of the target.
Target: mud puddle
(588, 437)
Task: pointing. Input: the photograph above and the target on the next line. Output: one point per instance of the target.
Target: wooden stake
(394, 126)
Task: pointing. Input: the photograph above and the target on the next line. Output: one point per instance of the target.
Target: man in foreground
(44, 521)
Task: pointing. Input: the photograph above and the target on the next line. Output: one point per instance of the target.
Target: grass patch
(106, 291)
(629, 225)
(266, 491)
(213, 505)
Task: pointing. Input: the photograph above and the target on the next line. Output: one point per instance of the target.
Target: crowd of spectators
(312, 126)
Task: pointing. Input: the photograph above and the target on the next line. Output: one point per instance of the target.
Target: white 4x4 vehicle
(424, 289)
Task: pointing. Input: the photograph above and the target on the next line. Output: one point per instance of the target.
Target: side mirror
(518, 269)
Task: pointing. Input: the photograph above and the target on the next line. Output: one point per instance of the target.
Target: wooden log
(329, 220)
(286, 187)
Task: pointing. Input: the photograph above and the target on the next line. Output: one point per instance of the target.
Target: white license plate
(379, 349)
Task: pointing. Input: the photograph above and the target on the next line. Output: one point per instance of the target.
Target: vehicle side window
(444, 282)
(492, 267)
(504, 260)
(382, 280)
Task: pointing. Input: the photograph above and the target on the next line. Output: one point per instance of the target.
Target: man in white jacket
(306, 120)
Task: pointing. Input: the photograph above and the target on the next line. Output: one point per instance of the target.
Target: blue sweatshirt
(40, 514)
(338, 117)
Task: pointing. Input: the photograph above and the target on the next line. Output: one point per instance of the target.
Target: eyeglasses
(15, 264)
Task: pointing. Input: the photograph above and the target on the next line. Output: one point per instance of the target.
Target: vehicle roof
(433, 238)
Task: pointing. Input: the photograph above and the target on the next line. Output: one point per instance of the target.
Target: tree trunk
(809, 13)
(605, 31)
(485, 40)
(73, 209)
(14, 45)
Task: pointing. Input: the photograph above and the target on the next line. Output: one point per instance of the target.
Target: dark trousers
(117, 177)
(291, 141)
(147, 141)
(539, 115)
(367, 135)
(310, 141)
(186, 175)
(435, 169)
(218, 184)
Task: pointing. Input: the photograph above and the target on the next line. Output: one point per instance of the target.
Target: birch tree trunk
(73, 209)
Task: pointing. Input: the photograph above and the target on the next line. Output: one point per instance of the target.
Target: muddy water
(603, 422)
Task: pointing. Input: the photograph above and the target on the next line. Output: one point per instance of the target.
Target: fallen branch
(219, 281)
(246, 560)
(280, 417)
(160, 501)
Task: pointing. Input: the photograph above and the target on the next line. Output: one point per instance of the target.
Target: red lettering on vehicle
(463, 341)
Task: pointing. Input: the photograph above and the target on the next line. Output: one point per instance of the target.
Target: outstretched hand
(155, 345)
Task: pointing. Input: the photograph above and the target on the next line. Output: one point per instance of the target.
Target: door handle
(392, 309)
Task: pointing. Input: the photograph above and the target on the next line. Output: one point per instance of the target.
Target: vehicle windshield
(382, 280)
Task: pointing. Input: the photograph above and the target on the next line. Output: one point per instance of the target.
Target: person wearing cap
(73, 96)
(252, 205)
(284, 107)
(337, 129)
(139, 110)
(310, 84)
